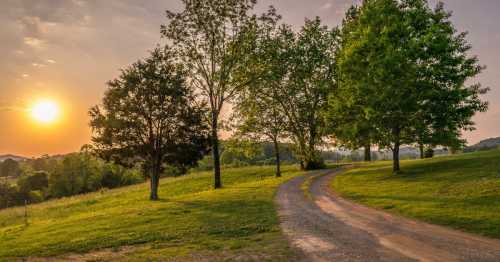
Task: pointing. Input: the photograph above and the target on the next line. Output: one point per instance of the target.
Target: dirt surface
(325, 227)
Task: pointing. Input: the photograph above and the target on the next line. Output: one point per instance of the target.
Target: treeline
(9, 168)
(395, 73)
(54, 177)
(238, 153)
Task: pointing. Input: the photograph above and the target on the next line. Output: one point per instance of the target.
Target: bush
(111, 178)
(75, 174)
(9, 196)
(36, 196)
(429, 153)
(10, 168)
(38, 180)
(132, 177)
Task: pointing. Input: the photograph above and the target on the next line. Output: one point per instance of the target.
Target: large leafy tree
(301, 75)
(346, 115)
(444, 69)
(259, 117)
(408, 67)
(214, 39)
(149, 116)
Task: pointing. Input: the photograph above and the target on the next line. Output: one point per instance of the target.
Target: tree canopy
(149, 116)
(403, 68)
(214, 40)
(299, 73)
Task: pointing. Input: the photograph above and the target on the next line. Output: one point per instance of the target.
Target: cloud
(50, 61)
(326, 6)
(38, 65)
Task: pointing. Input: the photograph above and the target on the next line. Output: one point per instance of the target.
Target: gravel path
(325, 227)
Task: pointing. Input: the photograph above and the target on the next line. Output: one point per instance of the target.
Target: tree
(259, 117)
(407, 66)
(9, 195)
(237, 152)
(149, 116)
(39, 180)
(10, 168)
(345, 115)
(301, 73)
(44, 163)
(214, 39)
(69, 177)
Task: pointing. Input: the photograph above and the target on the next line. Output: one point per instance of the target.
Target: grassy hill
(190, 220)
(461, 191)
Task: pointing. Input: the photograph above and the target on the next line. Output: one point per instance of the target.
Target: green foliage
(299, 74)
(9, 168)
(251, 153)
(74, 174)
(460, 191)
(43, 163)
(36, 196)
(36, 181)
(403, 70)
(190, 219)
(258, 117)
(215, 39)
(238, 150)
(149, 116)
(9, 195)
(346, 115)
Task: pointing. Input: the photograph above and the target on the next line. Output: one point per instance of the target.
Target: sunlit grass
(461, 191)
(190, 217)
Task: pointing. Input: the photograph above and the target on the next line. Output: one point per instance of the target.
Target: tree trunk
(421, 148)
(216, 155)
(395, 150)
(155, 181)
(277, 153)
(368, 153)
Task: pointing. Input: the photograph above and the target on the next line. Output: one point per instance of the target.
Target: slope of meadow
(461, 191)
(190, 220)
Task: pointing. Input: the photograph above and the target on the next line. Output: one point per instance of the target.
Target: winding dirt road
(325, 227)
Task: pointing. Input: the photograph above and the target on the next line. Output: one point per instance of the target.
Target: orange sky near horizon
(66, 50)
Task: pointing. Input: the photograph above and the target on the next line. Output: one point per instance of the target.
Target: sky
(66, 51)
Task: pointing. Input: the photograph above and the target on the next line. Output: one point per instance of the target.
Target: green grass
(190, 218)
(461, 191)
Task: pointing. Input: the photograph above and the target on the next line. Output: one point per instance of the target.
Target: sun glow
(45, 111)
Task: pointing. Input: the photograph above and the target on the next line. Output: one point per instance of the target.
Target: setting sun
(45, 111)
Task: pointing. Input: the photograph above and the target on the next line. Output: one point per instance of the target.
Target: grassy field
(461, 191)
(190, 220)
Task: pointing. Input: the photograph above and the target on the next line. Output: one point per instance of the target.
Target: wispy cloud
(38, 65)
(326, 6)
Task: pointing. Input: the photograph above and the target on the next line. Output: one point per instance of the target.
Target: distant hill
(487, 144)
(13, 157)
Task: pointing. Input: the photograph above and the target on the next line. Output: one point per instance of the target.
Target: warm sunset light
(45, 111)
(280, 130)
